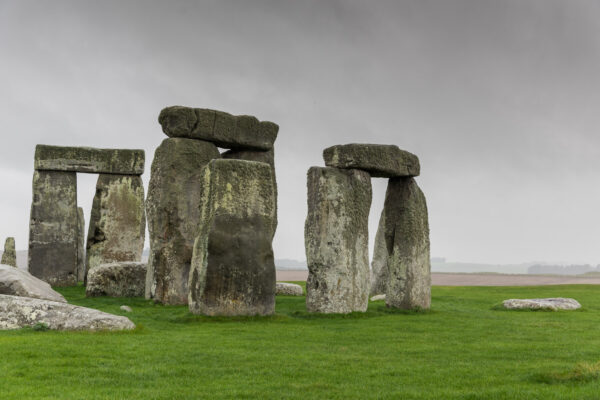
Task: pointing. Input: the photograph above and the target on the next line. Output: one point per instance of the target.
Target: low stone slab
(121, 279)
(379, 297)
(17, 282)
(385, 161)
(223, 129)
(552, 303)
(20, 312)
(88, 159)
(9, 256)
(288, 289)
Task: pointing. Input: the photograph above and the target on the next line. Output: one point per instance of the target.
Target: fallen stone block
(18, 282)
(288, 289)
(223, 129)
(90, 160)
(121, 279)
(378, 297)
(552, 303)
(20, 312)
(385, 161)
(336, 237)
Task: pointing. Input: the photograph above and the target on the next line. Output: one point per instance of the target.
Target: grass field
(464, 348)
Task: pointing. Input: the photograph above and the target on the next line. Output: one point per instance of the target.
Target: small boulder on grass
(288, 289)
(552, 304)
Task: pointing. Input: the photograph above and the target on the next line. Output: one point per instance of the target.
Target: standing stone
(80, 245)
(407, 241)
(233, 270)
(9, 257)
(53, 228)
(173, 208)
(117, 221)
(336, 237)
(260, 156)
(379, 270)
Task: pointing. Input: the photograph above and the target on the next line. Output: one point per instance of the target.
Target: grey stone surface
(121, 279)
(336, 240)
(53, 228)
(20, 312)
(386, 161)
(173, 211)
(233, 270)
(9, 256)
(379, 269)
(260, 156)
(17, 282)
(407, 241)
(125, 308)
(80, 245)
(288, 289)
(90, 160)
(117, 227)
(552, 303)
(223, 129)
(378, 297)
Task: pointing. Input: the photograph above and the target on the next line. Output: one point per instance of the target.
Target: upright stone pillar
(260, 156)
(117, 222)
(337, 238)
(80, 245)
(379, 269)
(53, 228)
(233, 270)
(173, 209)
(9, 256)
(407, 241)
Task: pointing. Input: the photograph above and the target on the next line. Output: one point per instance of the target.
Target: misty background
(498, 98)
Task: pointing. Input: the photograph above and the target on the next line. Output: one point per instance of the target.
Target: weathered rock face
(223, 129)
(288, 289)
(87, 159)
(407, 241)
(233, 270)
(173, 209)
(9, 256)
(123, 279)
(117, 221)
(17, 282)
(336, 239)
(552, 303)
(53, 228)
(80, 245)
(379, 269)
(19, 312)
(386, 161)
(260, 156)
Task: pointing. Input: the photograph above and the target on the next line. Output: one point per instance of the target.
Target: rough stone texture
(553, 303)
(378, 297)
(223, 129)
(260, 156)
(9, 256)
(19, 312)
(288, 289)
(80, 245)
(87, 159)
(17, 282)
(53, 228)
(336, 240)
(117, 222)
(173, 209)
(407, 241)
(123, 279)
(379, 269)
(385, 161)
(125, 308)
(233, 270)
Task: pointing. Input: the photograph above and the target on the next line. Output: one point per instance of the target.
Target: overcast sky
(499, 99)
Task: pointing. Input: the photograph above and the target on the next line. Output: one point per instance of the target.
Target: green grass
(463, 348)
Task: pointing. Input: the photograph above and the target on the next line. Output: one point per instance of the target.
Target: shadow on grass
(582, 373)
